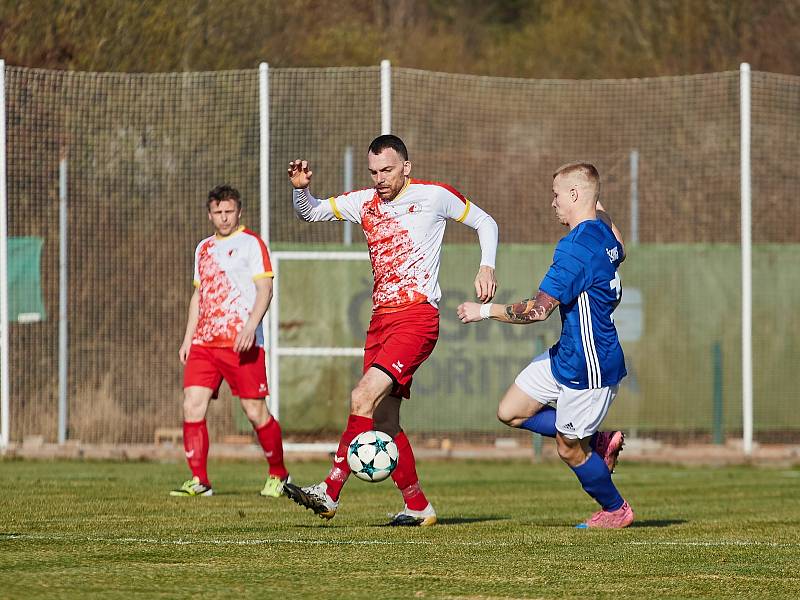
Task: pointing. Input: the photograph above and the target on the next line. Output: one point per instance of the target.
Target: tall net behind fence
(142, 151)
(776, 255)
(499, 141)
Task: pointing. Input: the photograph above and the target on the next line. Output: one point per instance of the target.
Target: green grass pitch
(101, 529)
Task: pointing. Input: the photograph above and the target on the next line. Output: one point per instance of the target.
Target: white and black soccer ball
(372, 456)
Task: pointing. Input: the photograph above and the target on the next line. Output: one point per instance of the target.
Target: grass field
(82, 529)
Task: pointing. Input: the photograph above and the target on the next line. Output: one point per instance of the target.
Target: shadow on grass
(464, 520)
(659, 522)
(446, 521)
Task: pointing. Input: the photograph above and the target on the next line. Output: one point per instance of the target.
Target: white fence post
(263, 110)
(5, 389)
(386, 97)
(63, 331)
(747, 264)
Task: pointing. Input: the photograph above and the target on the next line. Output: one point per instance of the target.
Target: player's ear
(406, 168)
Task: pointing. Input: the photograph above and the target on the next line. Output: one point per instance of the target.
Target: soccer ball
(372, 456)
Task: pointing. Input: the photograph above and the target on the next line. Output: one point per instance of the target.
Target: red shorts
(245, 372)
(397, 343)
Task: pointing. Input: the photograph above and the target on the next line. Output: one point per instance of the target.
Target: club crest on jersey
(613, 253)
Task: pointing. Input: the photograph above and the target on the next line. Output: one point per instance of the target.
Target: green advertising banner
(680, 315)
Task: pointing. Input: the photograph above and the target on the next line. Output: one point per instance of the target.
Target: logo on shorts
(398, 365)
(569, 426)
(262, 387)
(338, 459)
(189, 454)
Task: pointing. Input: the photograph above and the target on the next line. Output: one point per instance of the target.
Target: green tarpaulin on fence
(24, 280)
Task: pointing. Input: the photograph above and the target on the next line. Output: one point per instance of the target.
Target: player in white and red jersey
(403, 220)
(224, 340)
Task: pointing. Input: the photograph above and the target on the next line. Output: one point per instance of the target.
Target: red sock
(269, 436)
(405, 474)
(195, 443)
(340, 471)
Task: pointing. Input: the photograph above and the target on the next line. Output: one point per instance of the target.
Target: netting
(142, 152)
(144, 149)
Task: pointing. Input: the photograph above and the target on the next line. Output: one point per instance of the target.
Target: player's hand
(244, 339)
(183, 353)
(485, 284)
(299, 174)
(469, 312)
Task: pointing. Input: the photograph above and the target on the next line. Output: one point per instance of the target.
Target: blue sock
(596, 481)
(543, 422)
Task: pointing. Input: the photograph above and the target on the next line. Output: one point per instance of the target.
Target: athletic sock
(340, 471)
(543, 422)
(195, 444)
(405, 474)
(269, 436)
(596, 481)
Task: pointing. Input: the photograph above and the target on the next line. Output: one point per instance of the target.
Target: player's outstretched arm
(191, 325)
(520, 313)
(486, 227)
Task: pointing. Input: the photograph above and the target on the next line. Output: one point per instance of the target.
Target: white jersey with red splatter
(404, 237)
(225, 271)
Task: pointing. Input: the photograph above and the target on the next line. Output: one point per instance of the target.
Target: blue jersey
(584, 279)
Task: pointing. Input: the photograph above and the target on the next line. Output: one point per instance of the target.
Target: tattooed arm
(522, 313)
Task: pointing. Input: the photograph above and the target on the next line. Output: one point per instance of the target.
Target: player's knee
(194, 409)
(362, 401)
(507, 416)
(255, 411)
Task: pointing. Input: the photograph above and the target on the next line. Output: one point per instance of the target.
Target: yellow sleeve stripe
(465, 213)
(195, 283)
(263, 275)
(335, 209)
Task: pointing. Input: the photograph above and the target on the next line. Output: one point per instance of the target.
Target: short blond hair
(585, 170)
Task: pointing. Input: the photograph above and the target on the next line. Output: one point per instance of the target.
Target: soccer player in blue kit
(580, 374)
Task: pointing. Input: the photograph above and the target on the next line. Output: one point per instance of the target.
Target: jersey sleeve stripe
(335, 208)
(466, 211)
(265, 261)
(264, 275)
